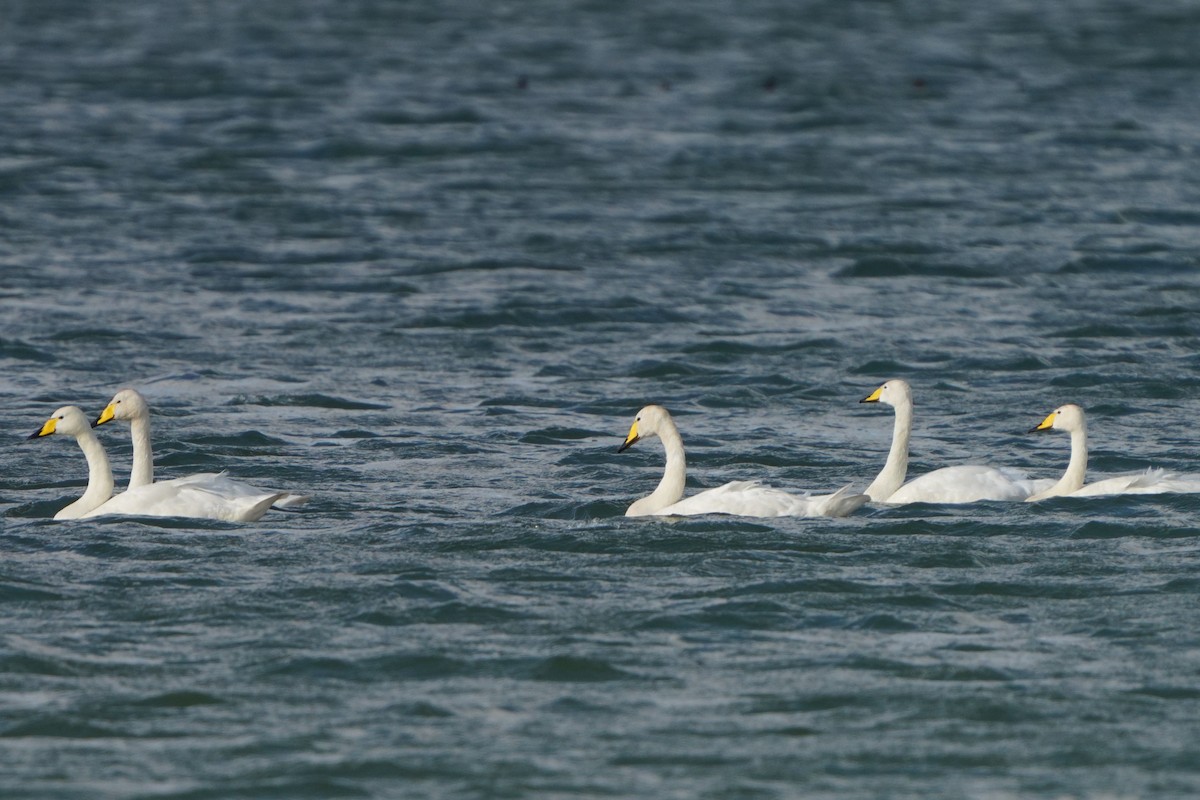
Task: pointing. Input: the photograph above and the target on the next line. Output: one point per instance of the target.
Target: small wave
(180, 699)
(892, 267)
(1097, 330)
(1168, 692)
(557, 436)
(21, 593)
(886, 623)
(22, 663)
(394, 116)
(568, 510)
(58, 727)
(307, 401)
(729, 347)
(1097, 529)
(22, 351)
(453, 613)
(733, 615)
(425, 709)
(1139, 265)
(573, 669)
(244, 439)
(1163, 216)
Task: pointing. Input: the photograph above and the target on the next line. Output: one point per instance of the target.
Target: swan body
(967, 483)
(178, 498)
(1070, 418)
(739, 498)
(129, 405)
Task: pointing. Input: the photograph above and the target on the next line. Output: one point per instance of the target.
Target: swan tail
(256, 510)
(1151, 477)
(289, 501)
(842, 503)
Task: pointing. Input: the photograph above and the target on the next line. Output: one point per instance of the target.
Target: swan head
(894, 393)
(647, 423)
(1064, 418)
(126, 404)
(68, 420)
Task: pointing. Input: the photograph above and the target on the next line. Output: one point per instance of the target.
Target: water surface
(425, 263)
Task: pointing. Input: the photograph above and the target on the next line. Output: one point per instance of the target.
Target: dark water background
(426, 260)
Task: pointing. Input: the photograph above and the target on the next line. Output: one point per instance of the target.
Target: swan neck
(1072, 480)
(891, 477)
(670, 488)
(1076, 472)
(100, 479)
(142, 473)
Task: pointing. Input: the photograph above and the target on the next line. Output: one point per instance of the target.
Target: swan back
(192, 497)
(965, 483)
(753, 499)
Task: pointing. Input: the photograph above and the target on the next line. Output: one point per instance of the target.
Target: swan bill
(46, 429)
(631, 439)
(107, 414)
(1045, 424)
(873, 397)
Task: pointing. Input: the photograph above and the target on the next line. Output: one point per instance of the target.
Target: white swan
(967, 483)
(1071, 418)
(129, 404)
(177, 498)
(741, 498)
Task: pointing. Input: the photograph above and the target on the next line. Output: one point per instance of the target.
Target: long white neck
(100, 479)
(1072, 480)
(142, 473)
(895, 468)
(670, 488)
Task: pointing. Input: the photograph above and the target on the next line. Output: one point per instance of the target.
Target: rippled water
(426, 261)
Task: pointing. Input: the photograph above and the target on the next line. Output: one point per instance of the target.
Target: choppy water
(425, 261)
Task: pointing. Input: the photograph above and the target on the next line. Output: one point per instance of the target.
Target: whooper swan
(129, 405)
(177, 498)
(967, 483)
(740, 498)
(1070, 418)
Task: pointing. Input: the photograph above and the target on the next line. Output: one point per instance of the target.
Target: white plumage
(740, 498)
(184, 497)
(129, 405)
(967, 483)
(1070, 418)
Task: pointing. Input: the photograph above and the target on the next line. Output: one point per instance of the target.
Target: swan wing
(220, 483)
(187, 497)
(1182, 484)
(1030, 486)
(1152, 481)
(968, 483)
(753, 499)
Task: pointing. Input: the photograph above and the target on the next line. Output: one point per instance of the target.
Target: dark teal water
(425, 261)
